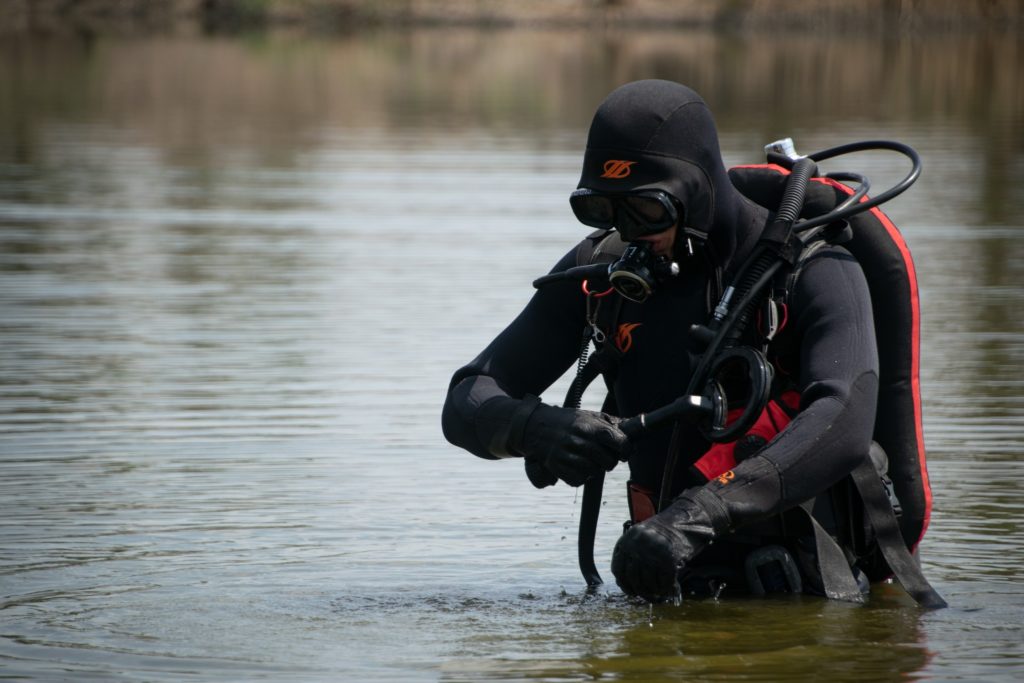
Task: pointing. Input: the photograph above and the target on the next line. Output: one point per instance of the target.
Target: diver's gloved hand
(571, 445)
(539, 475)
(649, 556)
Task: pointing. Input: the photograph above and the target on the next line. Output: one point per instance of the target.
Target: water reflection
(271, 96)
(613, 638)
(236, 275)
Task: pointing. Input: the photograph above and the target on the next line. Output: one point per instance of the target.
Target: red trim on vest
(721, 457)
(641, 502)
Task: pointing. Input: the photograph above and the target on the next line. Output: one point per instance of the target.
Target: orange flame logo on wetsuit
(624, 336)
(617, 168)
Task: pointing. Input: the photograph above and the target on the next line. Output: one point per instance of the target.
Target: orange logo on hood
(617, 168)
(624, 337)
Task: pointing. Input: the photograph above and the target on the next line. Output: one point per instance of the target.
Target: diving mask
(633, 214)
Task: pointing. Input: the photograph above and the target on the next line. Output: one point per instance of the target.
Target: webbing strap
(590, 510)
(836, 577)
(889, 538)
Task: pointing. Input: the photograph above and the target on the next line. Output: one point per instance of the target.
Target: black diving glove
(650, 555)
(556, 443)
(539, 475)
(571, 445)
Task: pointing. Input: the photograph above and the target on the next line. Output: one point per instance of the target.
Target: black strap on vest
(889, 538)
(836, 577)
(590, 510)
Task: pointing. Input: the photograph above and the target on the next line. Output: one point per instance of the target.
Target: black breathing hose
(796, 191)
(590, 510)
(899, 188)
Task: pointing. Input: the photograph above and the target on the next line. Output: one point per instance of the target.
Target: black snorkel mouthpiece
(637, 272)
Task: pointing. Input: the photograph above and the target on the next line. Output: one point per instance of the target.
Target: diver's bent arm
(839, 381)
(485, 397)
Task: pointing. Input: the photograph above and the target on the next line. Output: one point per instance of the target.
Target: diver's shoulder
(600, 246)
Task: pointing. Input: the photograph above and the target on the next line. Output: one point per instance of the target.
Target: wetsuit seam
(668, 118)
(782, 484)
(809, 446)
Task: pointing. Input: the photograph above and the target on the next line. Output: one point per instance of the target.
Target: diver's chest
(655, 348)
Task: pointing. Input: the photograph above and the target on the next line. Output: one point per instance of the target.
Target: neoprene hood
(656, 134)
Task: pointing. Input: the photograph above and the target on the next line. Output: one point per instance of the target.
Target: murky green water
(236, 274)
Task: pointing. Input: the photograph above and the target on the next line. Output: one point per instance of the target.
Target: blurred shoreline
(341, 16)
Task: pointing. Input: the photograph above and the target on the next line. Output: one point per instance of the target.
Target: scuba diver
(772, 505)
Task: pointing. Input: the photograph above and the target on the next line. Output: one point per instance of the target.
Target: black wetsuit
(829, 317)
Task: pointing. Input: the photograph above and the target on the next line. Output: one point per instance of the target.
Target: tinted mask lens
(595, 210)
(645, 214)
(654, 209)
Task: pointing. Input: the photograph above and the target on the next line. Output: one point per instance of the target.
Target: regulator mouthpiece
(637, 272)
